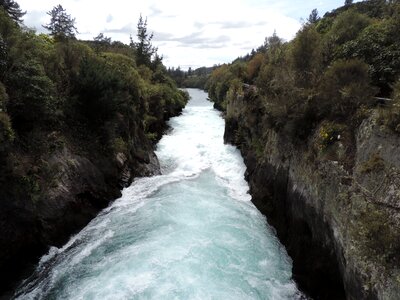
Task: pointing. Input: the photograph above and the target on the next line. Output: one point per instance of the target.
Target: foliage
(62, 25)
(328, 134)
(144, 49)
(32, 97)
(347, 26)
(218, 85)
(391, 114)
(306, 55)
(313, 17)
(379, 46)
(344, 88)
(88, 96)
(101, 42)
(6, 131)
(13, 10)
(254, 66)
(331, 70)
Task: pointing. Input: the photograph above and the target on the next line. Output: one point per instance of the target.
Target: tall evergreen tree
(61, 25)
(144, 48)
(13, 10)
(313, 17)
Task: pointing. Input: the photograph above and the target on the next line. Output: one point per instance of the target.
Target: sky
(187, 33)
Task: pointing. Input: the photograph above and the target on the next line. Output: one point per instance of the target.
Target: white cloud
(187, 33)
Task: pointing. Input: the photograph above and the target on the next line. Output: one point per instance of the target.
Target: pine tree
(313, 18)
(144, 48)
(13, 10)
(61, 25)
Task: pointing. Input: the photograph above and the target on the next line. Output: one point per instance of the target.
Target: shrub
(31, 95)
(348, 26)
(306, 56)
(6, 131)
(344, 88)
(328, 134)
(391, 115)
(102, 89)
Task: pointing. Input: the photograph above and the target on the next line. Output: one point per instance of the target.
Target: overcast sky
(186, 32)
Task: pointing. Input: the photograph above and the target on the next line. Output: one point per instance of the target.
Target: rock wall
(336, 210)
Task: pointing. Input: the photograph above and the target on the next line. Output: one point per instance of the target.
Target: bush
(391, 115)
(31, 95)
(306, 56)
(102, 89)
(344, 88)
(6, 131)
(379, 46)
(328, 134)
(348, 26)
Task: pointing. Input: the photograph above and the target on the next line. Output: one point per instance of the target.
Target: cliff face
(67, 188)
(335, 208)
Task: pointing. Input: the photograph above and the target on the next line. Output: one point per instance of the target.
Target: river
(191, 233)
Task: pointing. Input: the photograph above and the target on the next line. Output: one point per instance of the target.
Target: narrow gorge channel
(190, 233)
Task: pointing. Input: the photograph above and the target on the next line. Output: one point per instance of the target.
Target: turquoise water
(191, 233)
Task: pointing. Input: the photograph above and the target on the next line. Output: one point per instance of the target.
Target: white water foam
(191, 233)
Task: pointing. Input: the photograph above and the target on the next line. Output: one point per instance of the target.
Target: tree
(31, 98)
(101, 42)
(102, 39)
(13, 10)
(144, 48)
(61, 24)
(313, 18)
(345, 86)
(306, 56)
(348, 2)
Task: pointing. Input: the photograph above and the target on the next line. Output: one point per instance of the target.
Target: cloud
(187, 32)
(154, 11)
(35, 19)
(196, 39)
(129, 28)
(240, 24)
(163, 37)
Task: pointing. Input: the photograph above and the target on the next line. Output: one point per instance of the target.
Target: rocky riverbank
(72, 184)
(335, 206)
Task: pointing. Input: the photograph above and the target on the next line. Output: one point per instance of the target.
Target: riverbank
(82, 179)
(335, 210)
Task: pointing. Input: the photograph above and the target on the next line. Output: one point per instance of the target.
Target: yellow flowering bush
(328, 134)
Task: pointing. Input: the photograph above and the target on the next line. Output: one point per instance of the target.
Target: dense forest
(196, 78)
(68, 107)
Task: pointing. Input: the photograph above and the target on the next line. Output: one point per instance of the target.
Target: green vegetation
(191, 78)
(96, 97)
(12, 9)
(61, 24)
(333, 68)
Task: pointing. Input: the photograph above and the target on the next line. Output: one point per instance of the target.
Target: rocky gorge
(335, 208)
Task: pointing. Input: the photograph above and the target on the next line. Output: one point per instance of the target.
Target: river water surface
(191, 233)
